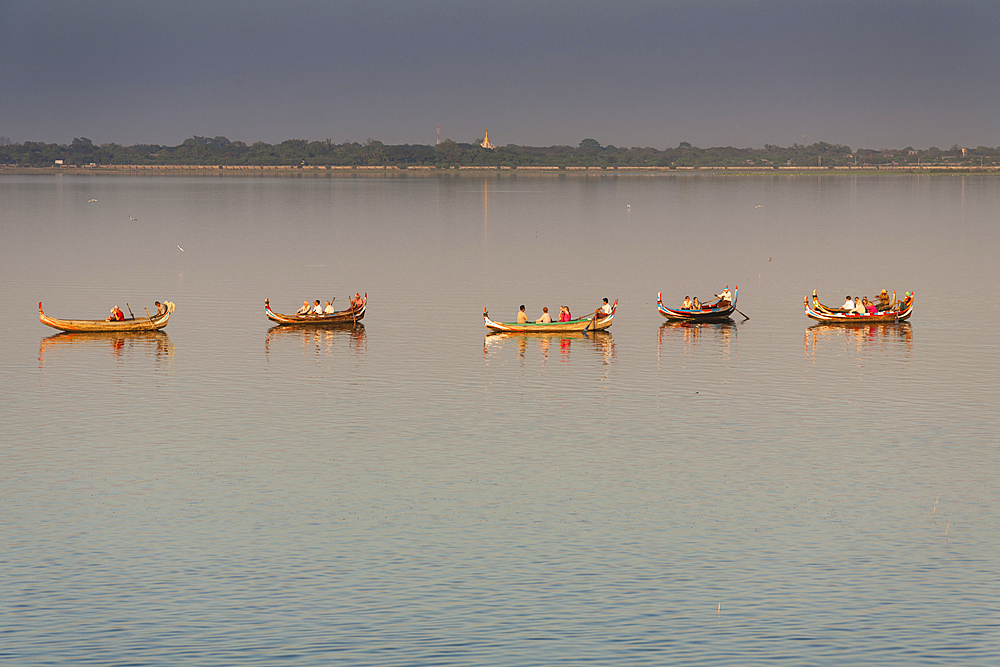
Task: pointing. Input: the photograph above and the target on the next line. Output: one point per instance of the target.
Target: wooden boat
(346, 317)
(148, 323)
(590, 323)
(897, 312)
(707, 313)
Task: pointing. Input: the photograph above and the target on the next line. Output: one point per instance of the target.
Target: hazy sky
(624, 72)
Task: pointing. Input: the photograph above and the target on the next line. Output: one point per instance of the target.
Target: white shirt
(317, 309)
(606, 309)
(848, 305)
(727, 295)
(329, 309)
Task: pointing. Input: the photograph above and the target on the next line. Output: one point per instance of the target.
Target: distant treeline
(589, 153)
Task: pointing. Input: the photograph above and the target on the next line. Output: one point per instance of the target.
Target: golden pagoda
(486, 141)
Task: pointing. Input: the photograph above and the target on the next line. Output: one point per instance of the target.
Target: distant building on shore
(486, 143)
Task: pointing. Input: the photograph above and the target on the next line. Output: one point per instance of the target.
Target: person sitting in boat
(848, 305)
(317, 309)
(725, 299)
(687, 303)
(304, 310)
(859, 307)
(160, 309)
(522, 317)
(869, 307)
(328, 310)
(116, 315)
(882, 301)
(695, 304)
(564, 315)
(545, 318)
(356, 301)
(605, 309)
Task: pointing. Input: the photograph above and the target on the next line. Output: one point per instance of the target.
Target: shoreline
(323, 170)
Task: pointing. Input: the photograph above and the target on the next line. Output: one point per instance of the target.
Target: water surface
(414, 491)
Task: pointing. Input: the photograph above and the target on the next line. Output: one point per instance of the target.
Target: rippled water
(414, 491)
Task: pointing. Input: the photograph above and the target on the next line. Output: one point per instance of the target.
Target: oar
(741, 313)
(129, 310)
(353, 316)
(147, 315)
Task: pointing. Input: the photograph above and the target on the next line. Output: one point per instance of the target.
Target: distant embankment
(317, 170)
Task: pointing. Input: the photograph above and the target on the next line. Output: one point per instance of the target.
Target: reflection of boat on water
(147, 323)
(897, 312)
(725, 332)
(600, 342)
(318, 339)
(705, 314)
(593, 322)
(117, 342)
(347, 317)
(862, 334)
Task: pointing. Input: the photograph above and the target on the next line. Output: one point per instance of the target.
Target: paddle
(741, 313)
(147, 314)
(129, 310)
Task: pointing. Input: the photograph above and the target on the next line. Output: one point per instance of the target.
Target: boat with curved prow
(899, 311)
(706, 313)
(347, 317)
(148, 323)
(594, 322)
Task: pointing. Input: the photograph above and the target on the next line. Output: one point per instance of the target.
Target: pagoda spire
(486, 141)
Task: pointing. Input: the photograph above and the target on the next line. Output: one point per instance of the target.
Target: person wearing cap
(522, 317)
(725, 299)
(882, 300)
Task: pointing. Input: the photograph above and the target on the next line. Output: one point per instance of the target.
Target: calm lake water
(416, 492)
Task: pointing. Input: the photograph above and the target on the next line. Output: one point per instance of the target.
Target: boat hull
(348, 317)
(703, 315)
(579, 325)
(154, 323)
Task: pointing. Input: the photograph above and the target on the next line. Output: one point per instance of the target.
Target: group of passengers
(317, 309)
(723, 300)
(118, 316)
(564, 315)
(863, 306)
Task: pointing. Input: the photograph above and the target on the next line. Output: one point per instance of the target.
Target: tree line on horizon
(449, 153)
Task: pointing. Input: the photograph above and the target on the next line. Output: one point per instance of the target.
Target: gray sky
(625, 72)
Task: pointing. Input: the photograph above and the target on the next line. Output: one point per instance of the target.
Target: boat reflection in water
(598, 343)
(121, 345)
(317, 339)
(722, 335)
(862, 337)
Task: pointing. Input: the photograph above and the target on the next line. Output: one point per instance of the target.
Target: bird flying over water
(180, 248)
(90, 200)
(133, 219)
